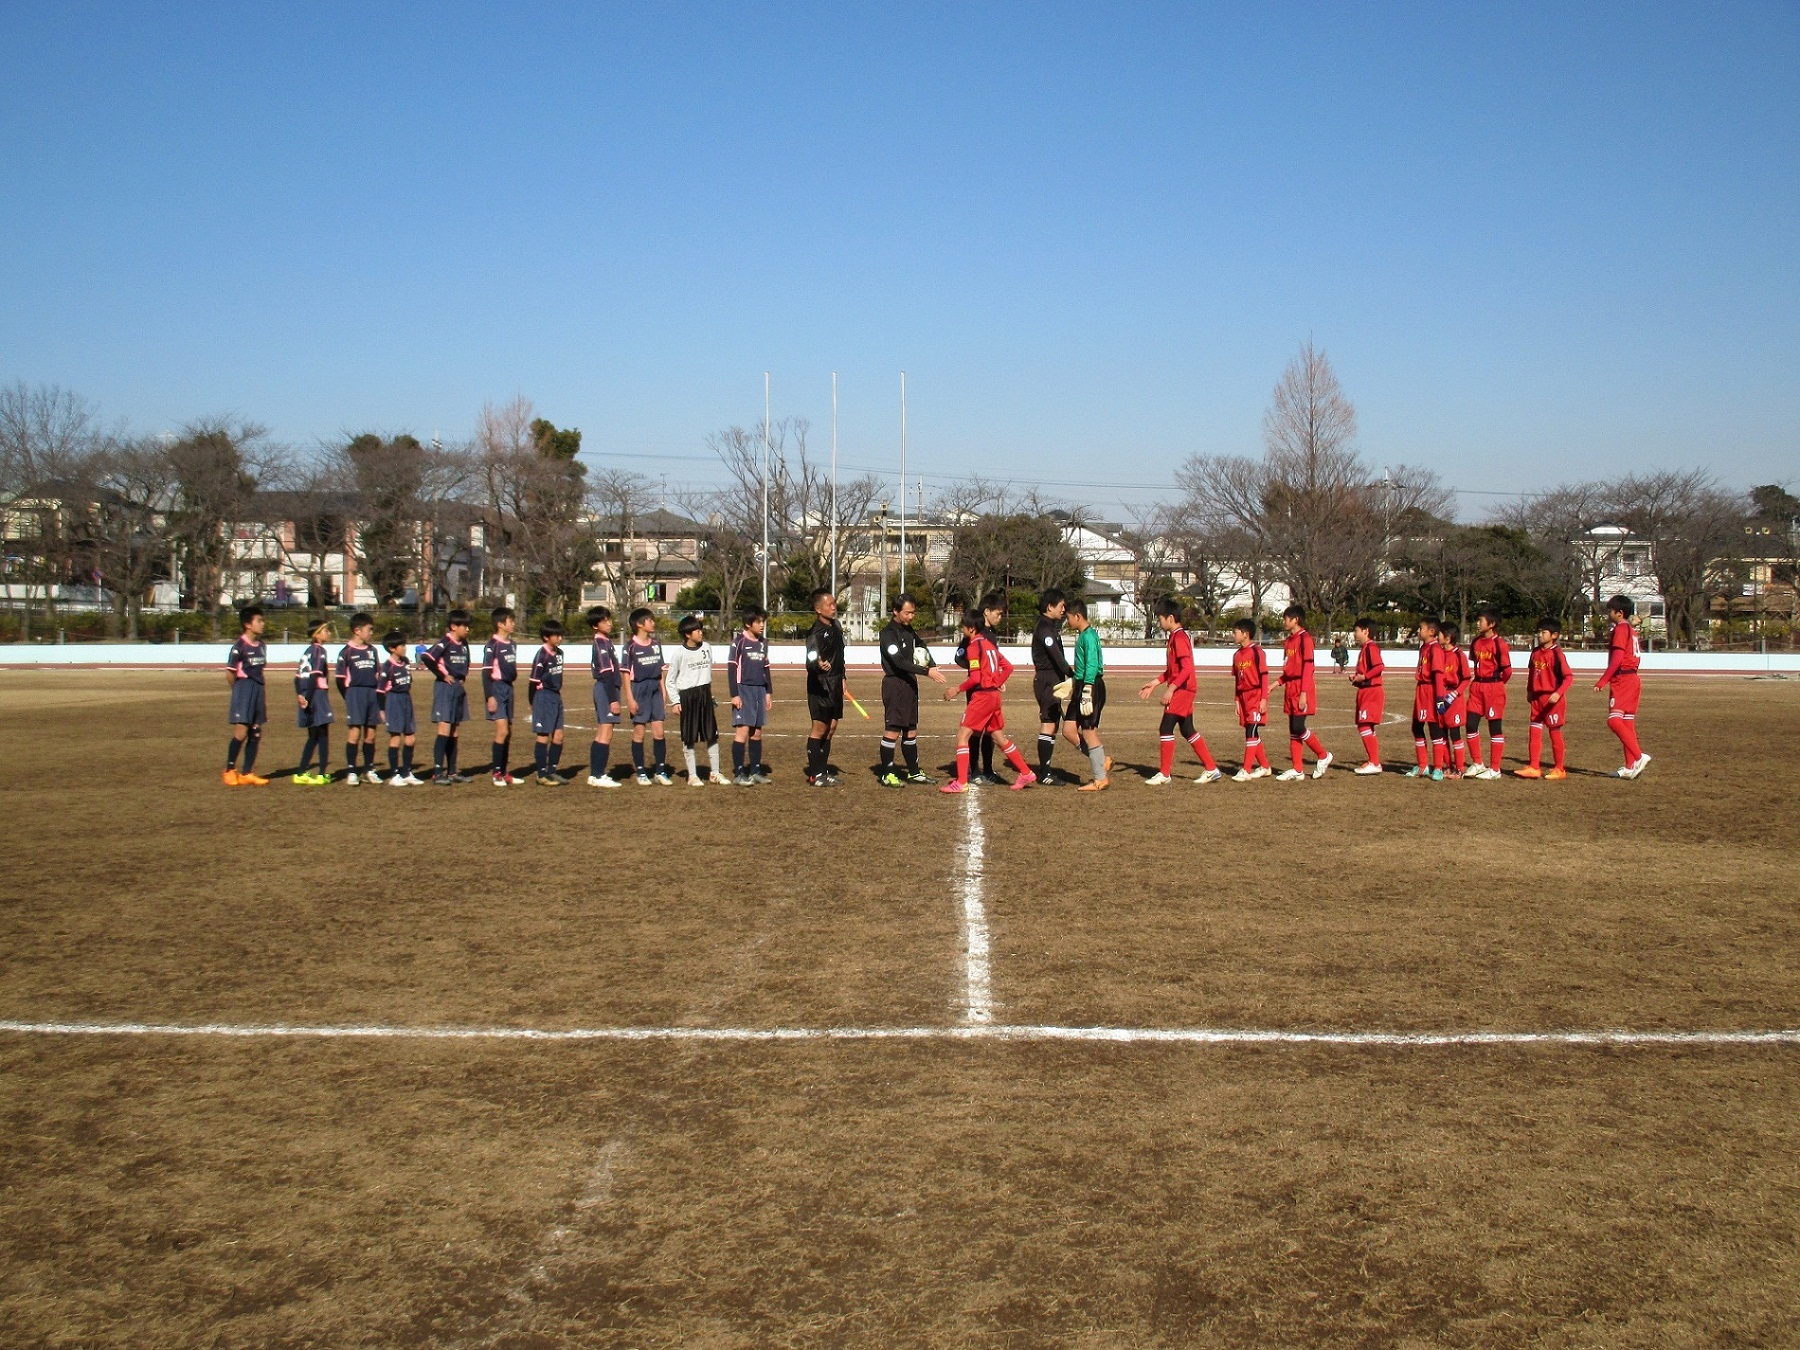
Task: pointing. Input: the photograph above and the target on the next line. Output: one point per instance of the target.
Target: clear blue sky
(1538, 241)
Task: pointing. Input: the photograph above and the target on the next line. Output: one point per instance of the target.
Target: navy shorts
(361, 707)
(399, 714)
(449, 703)
(249, 704)
(755, 712)
(546, 713)
(649, 703)
(316, 712)
(603, 701)
(503, 703)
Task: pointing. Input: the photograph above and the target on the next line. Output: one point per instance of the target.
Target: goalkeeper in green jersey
(1088, 697)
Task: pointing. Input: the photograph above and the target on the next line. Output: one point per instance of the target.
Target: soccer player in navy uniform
(499, 669)
(448, 661)
(394, 688)
(312, 691)
(603, 664)
(751, 691)
(645, 698)
(825, 686)
(357, 675)
(1050, 671)
(903, 659)
(547, 704)
(249, 703)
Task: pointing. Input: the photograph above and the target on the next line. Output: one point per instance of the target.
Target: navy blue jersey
(394, 677)
(603, 662)
(248, 656)
(357, 667)
(447, 659)
(499, 664)
(749, 664)
(643, 662)
(547, 670)
(314, 671)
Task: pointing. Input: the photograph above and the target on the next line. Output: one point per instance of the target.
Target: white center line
(978, 998)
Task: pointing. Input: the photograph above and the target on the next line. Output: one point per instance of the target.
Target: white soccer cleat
(1210, 776)
(696, 781)
(398, 780)
(1157, 780)
(1367, 769)
(1242, 776)
(1320, 768)
(350, 779)
(1290, 776)
(1643, 762)
(716, 779)
(413, 780)
(1261, 771)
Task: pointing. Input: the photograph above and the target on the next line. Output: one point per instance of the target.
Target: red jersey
(988, 669)
(1458, 674)
(1623, 654)
(1369, 667)
(1429, 673)
(1178, 665)
(1297, 660)
(1250, 674)
(1548, 673)
(1492, 658)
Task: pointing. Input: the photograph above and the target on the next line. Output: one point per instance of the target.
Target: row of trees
(1312, 514)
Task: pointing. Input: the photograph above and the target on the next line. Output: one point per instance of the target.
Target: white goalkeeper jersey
(690, 667)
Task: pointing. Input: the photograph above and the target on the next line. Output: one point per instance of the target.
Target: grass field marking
(969, 1031)
(978, 996)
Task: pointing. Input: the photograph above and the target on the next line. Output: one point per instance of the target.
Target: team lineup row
(1454, 692)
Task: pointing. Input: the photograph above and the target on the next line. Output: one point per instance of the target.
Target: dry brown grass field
(302, 1190)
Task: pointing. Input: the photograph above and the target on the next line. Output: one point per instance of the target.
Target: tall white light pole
(903, 482)
(765, 495)
(834, 510)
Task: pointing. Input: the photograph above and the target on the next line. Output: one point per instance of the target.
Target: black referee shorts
(1044, 686)
(825, 707)
(899, 703)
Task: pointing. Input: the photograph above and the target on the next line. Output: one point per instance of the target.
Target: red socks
(1534, 747)
(1014, 758)
(1168, 755)
(1422, 748)
(1496, 752)
(962, 764)
(1556, 745)
(1625, 729)
(1371, 744)
(1314, 744)
(1199, 746)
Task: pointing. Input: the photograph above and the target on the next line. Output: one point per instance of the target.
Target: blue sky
(1539, 242)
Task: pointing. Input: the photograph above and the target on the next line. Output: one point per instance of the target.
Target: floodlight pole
(903, 482)
(834, 499)
(765, 495)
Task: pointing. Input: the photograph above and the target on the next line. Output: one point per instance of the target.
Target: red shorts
(1250, 712)
(1458, 711)
(1487, 698)
(1424, 706)
(1298, 701)
(984, 712)
(1623, 693)
(1370, 704)
(1181, 703)
(1544, 713)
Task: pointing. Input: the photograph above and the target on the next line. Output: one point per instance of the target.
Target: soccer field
(233, 1114)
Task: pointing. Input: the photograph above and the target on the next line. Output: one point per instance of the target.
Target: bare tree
(388, 475)
(218, 464)
(48, 436)
(1695, 530)
(135, 487)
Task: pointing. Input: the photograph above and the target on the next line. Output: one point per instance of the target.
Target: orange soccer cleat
(1529, 771)
(252, 780)
(1555, 775)
(231, 779)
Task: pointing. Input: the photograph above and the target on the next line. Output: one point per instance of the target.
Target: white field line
(971, 1031)
(978, 998)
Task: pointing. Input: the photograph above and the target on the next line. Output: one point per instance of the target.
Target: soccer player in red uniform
(1250, 684)
(1623, 685)
(988, 673)
(1428, 691)
(1492, 660)
(1371, 697)
(1548, 679)
(1179, 684)
(1299, 697)
(1453, 712)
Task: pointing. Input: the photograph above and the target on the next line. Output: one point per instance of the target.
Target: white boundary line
(967, 1032)
(978, 998)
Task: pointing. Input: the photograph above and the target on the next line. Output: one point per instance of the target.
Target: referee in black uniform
(1050, 668)
(824, 686)
(903, 658)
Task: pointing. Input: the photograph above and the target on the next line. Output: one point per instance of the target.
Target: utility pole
(881, 526)
(765, 495)
(902, 490)
(834, 499)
